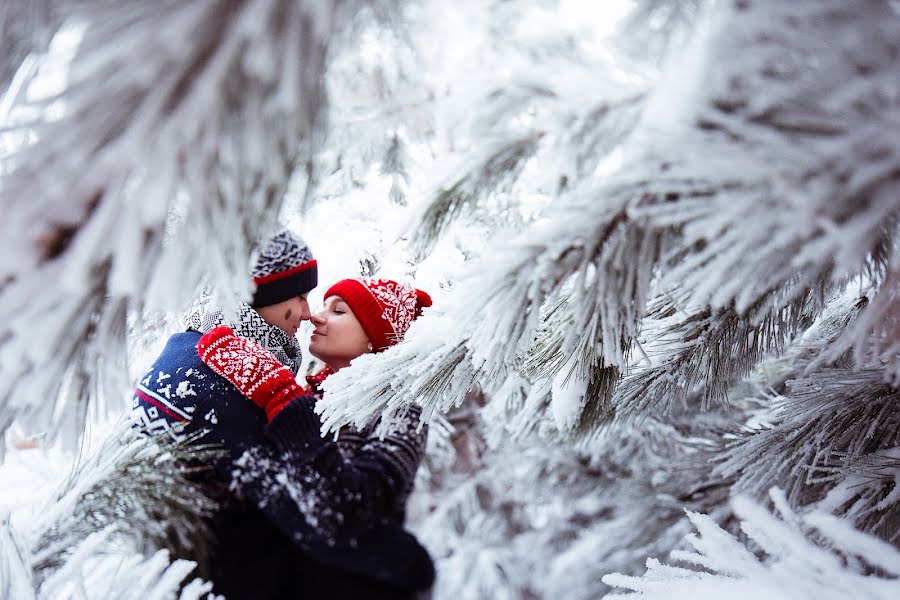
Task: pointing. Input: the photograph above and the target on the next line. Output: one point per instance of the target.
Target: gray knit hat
(284, 269)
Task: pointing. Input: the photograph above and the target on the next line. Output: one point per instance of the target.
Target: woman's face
(338, 337)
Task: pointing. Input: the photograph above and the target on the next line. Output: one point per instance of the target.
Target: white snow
(760, 154)
(185, 389)
(567, 397)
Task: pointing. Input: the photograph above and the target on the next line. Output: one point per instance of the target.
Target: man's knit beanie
(383, 307)
(284, 269)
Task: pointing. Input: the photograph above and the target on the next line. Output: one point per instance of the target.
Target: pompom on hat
(383, 307)
(284, 269)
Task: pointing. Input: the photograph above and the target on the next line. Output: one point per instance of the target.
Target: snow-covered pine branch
(762, 249)
(740, 185)
(874, 335)
(431, 366)
(548, 109)
(25, 28)
(754, 186)
(651, 28)
(703, 353)
(163, 159)
(484, 541)
(837, 562)
(581, 243)
(383, 108)
(827, 424)
(112, 523)
(610, 501)
(499, 317)
(583, 405)
(96, 570)
(497, 164)
(828, 432)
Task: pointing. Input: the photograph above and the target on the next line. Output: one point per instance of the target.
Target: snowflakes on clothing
(403, 445)
(153, 407)
(366, 477)
(283, 488)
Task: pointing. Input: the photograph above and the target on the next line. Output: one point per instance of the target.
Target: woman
(341, 502)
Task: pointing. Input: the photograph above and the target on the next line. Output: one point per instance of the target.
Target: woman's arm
(273, 482)
(348, 494)
(368, 488)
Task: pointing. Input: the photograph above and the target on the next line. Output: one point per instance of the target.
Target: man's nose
(304, 310)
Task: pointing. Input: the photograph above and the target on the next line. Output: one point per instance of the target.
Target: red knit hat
(383, 307)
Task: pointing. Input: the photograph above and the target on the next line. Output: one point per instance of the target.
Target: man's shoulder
(179, 364)
(176, 384)
(180, 388)
(180, 348)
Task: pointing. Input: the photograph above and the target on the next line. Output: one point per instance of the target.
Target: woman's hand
(252, 369)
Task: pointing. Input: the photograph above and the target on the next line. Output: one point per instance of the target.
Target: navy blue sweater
(299, 511)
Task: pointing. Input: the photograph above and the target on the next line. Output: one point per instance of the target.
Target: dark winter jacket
(301, 514)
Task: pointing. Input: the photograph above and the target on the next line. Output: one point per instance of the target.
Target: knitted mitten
(253, 370)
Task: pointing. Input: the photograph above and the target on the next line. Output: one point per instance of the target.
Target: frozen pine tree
(790, 567)
(672, 233)
(155, 151)
(107, 530)
(712, 278)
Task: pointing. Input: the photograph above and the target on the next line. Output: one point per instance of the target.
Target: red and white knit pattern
(247, 365)
(397, 301)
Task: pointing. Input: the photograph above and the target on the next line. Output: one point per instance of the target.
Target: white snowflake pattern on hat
(397, 302)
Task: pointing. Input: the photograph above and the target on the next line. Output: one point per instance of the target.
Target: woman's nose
(317, 318)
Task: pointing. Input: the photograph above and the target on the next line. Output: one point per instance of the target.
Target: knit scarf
(315, 381)
(204, 316)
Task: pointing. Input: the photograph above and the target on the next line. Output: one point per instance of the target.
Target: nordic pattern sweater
(340, 503)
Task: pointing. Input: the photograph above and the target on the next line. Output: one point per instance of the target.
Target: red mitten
(253, 370)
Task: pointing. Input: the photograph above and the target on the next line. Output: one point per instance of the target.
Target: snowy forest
(661, 236)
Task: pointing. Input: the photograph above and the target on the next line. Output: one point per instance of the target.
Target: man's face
(286, 315)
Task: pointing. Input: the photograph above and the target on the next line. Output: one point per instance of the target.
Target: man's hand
(253, 370)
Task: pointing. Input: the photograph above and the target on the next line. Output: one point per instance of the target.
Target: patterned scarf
(315, 381)
(204, 316)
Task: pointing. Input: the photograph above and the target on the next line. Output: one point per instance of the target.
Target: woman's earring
(370, 347)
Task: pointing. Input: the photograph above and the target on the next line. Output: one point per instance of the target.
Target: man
(272, 524)
(169, 394)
